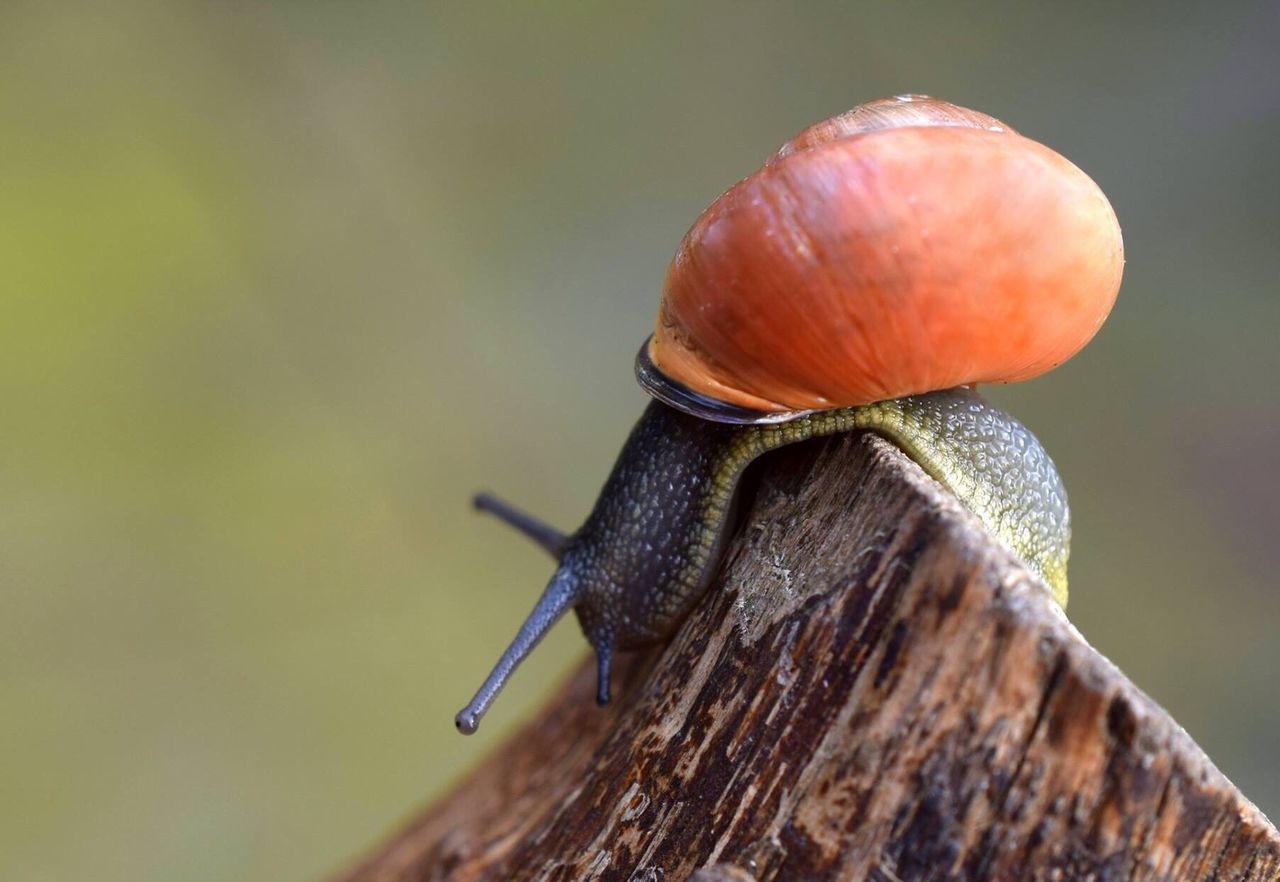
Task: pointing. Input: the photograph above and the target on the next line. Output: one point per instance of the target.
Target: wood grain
(872, 690)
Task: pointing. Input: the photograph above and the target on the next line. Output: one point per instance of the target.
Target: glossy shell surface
(906, 246)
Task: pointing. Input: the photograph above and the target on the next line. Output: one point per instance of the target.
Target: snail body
(879, 264)
(651, 545)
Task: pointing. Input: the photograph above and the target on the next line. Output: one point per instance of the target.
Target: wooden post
(872, 690)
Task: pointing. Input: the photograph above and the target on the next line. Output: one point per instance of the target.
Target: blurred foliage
(284, 283)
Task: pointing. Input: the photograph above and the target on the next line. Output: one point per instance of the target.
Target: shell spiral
(906, 246)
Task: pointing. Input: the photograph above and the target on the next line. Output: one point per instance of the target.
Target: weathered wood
(874, 690)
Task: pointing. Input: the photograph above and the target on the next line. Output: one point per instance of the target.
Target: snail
(879, 265)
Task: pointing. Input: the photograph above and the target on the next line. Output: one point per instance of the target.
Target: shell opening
(675, 394)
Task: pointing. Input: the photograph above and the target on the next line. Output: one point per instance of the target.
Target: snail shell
(906, 246)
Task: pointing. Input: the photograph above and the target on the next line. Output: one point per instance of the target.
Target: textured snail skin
(654, 539)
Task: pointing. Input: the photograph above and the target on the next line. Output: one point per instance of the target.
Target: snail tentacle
(559, 597)
(542, 533)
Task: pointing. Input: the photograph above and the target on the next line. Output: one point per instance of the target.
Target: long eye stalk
(545, 535)
(558, 598)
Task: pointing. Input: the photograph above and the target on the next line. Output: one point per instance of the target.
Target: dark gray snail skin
(651, 545)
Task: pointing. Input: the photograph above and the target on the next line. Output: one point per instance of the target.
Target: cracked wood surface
(871, 690)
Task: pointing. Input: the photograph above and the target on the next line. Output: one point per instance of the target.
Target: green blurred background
(283, 284)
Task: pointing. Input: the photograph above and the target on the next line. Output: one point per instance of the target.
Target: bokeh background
(282, 284)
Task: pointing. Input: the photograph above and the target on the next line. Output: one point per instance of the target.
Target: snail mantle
(872, 689)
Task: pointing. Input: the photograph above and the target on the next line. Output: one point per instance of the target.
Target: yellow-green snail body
(879, 266)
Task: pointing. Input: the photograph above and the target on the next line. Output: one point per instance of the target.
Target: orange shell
(866, 262)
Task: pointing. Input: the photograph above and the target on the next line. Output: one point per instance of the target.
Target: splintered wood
(871, 690)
